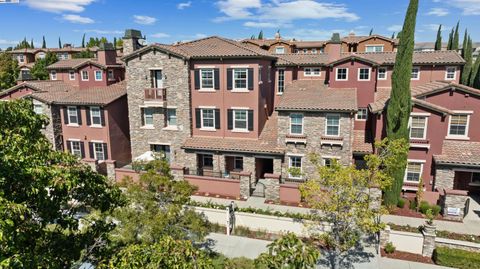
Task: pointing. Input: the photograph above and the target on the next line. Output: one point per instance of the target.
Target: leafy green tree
(119, 43)
(83, 41)
(456, 37)
(8, 71)
(399, 105)
(343, 197)
(289, 252)
(260, 35)
(450, 40)
(42, 191)
(467, 54)
(438, 42)
(39, 69)
(23, 44)
(84, 54)
(115, 42)
(44, 43)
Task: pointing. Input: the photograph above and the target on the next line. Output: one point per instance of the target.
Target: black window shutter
(250, 120)
(217, 118)
(69, 146)
(79, 114)
(250, 78)
(90, 149)
(152, 75)
(198, 119)
(87, 111)
(229, 78)
(65, 115)
(105, 151)
(216, 75)
(102, 116)
(197, 79)
(82, 149)
(230, 119)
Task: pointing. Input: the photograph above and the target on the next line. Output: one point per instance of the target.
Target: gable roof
(439, 86)
(419, 57)
(456, 152)
(302, 59)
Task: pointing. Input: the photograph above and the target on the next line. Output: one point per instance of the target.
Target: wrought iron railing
(212, 173)
(156, 94)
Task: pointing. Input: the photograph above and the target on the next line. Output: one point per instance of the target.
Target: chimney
(67, 46)
(131, 41)
(277, 35)
(107, 54)
(334, 47)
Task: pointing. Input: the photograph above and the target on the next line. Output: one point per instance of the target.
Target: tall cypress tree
(438, 42)
(371, 32)
(59, 43)
(393, 35)
(31, 44)
(467, 68)
(465, 43)
(44, 44)
(399, 106)
(83, 41)
(260, 35)
(475, 72)
(456, 38)
(450, 41)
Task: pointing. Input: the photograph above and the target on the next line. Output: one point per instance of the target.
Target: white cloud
(7, 43)
(468, 7)
(73, 18)
(254, 24)
(317, 34)
(440, 12)
(59, 6)
(237, 9)
(434, 27)
(160, 35)
(100, 32)
(200, 35)
(395, 28)
(184, 5)
(145, 20)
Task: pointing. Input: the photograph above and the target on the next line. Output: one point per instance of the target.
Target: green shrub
(413, 205)
(389, 248)
(456, 258)
(424, 206)
(401, 203)
(436, 210)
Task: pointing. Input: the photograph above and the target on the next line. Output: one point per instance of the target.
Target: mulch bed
(400, 255)
(207, 194)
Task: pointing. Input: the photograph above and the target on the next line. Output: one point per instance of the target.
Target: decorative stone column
(453, 202)
(385, 236)
(177, 171)
(428, 239)
(272, 187)
(245, 182)
(376, 195)
(92, 163)
(110, 166)
(444, 177)
(277, 166)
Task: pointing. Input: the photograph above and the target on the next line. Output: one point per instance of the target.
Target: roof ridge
(239, 45)
(193, 41)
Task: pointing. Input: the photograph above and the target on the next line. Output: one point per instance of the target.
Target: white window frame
(422, 163)
(37, 107)
(53, 75)
(85, 78)
(71, 75)
(93, 110)
(366, 114)
(148, 116)
(310, 71)
(314, 51)
(454, 73)
(110, 75)
(302, 123)
(101, 75)
(290, 165)
(72, 150)
(339, 124)
(374, 46)
(458, 113)
(282, 48)
(369, 73)
(282, 70)
(69, 110)
(424, 127)
(336, 74)
(234, 88)
(234, 112)
(418, 73)
(207, 70)
(170, 117)
(331, 158)
(202, 126)
(378, 73)
(21, 58)
(95, 154)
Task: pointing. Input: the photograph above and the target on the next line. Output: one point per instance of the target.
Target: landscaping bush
(456, 258)
(424, 206)
(401, 203)
(413, 205)
(436, 209)
(389, 248)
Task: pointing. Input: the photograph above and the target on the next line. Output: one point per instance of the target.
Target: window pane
(208, 118)
(458, 124)
(148, 116)
(240, 78)
(207, 78)
(99, 154)
(76, 148)
(240, 121)
(333, 125)
(296, 124)
(171, 117)
(72, 115)
(281, 80)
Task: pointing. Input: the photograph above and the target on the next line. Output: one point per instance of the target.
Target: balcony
(332, 140)
(155, 96)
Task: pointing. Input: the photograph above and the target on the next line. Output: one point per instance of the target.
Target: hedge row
(456, 258)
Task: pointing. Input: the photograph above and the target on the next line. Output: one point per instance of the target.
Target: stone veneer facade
(53, 130)
(313, 129)
(178, 96)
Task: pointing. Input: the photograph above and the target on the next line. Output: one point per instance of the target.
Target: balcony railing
(211, 173)
(155, 94)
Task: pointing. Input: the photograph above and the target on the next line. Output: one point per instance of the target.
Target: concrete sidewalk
(386, 263)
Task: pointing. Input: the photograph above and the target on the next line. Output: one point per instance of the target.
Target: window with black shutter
(216, 79)
(250, 120)
(217, 118)
(250, 79)
(197, 79)
(198, 118)
(229, 78)
(230, 119)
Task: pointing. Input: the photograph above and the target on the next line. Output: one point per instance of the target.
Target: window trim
(378, 73)
(290, 156)
(79, 147)
(53, 75)
(419, 71)
(424, 127)
(290, 125)
(88, 75)
(312, 73)
(339, 124)
(462, 137)
(99, 116)
(201, 70)
(278, 81)
(95, 151)
(202, 127)
(235, 158)
(375, 45)
(366, 114)
(369, 73)
(101, 75)
(145, 117)
(336, 74)
(168, 117)
(234, 88)
(454, 73)
(235, 129)
(70, 73)
(280, 47)
(76, 115)
(422, 163)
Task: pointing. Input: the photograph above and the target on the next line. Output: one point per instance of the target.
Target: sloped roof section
(419, 57)
(456, 152)
(312, 95)
(77, 63)
(302, 59)
(361, 142)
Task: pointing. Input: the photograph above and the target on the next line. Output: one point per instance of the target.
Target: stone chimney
(130, 41)
(107, 54)
(334, 47)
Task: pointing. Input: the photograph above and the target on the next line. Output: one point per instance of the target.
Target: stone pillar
(110, 166)
(177, 172)
(376, 195)
(92, 163)
(385, 236)
(245, 184)
(444, 176)
(272, 187)
(249, 166)
(453, 202)
(428, 240)
(277, 166)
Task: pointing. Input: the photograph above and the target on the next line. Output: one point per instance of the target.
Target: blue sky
(168, 21)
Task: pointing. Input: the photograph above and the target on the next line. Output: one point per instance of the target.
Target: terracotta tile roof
(441, 86)
(309, 44)
(266, 143)
(456, 152)
(77, 63)
(361, 142)
(315, 95)
(419, 57)
(301, 59)
(432, 106)
(59, 92)
(353, 39)
(66, 49)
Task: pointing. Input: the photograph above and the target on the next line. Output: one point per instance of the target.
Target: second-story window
(110, 75)
(450, 73)
(362, 114)
(240, 78)
(296, 124)
(280, 50)
(95, 116)
(21, 58)
(342, 74)
(53, 75)
(413, 171)
(364, 74)
(415, 73)
(71, 75)
(332, 122)
(207, 78)
(37, 107)
(281, 81)
(311, 72)
(156, 78)
(148, 116)
(208, 118)
(374, 48)
(240, 119)
(85, 75)
(72, 114)
(458, 125)
(382, 73)
(418, 126)
(314, 51)
(98, 75)
(171, 117)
